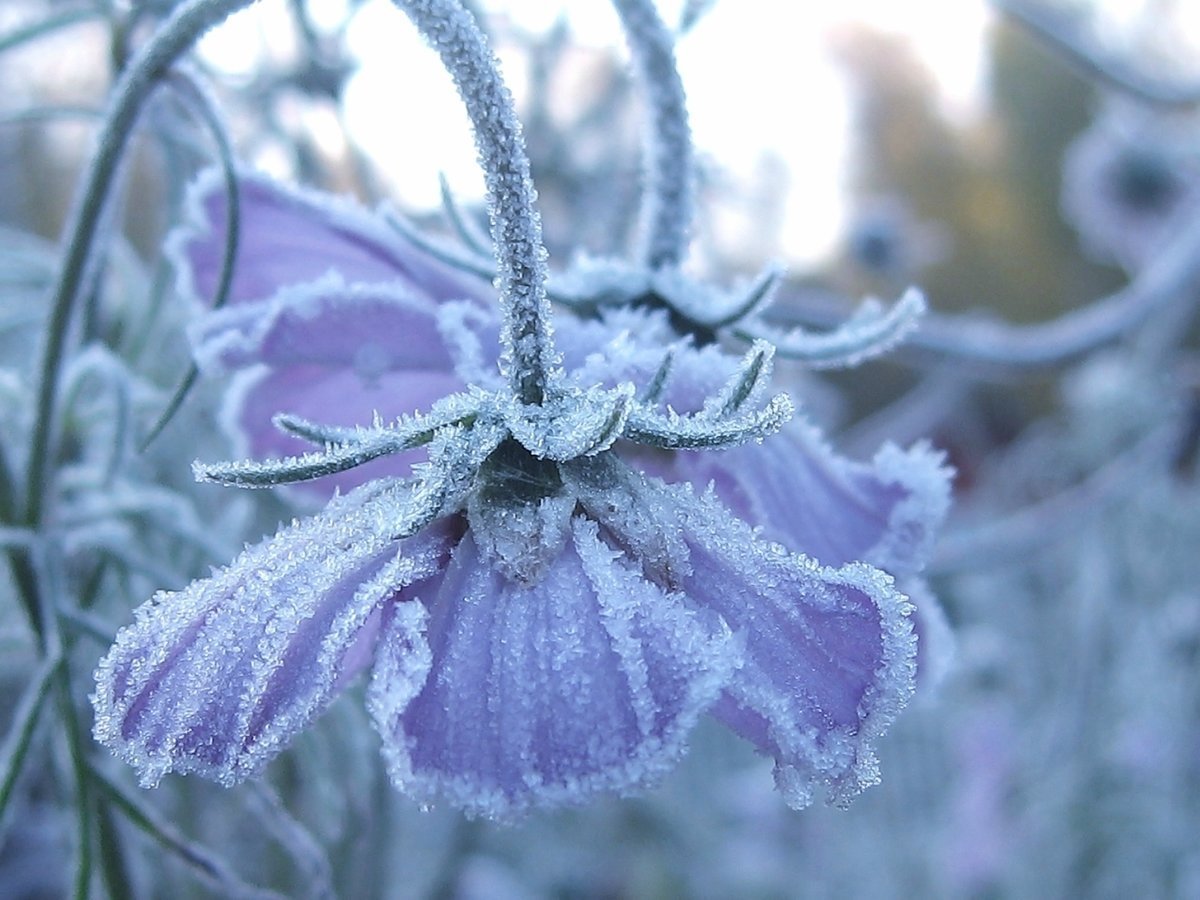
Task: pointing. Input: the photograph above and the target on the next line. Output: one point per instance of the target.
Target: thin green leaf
(207, 866)
(16, 745)
(202, 105)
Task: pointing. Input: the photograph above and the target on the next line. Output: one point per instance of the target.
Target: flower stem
(516, 227)
(138, 80)
(666, 212)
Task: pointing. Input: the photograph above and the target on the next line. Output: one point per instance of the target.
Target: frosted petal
(829, 653)
(539, 695)
(290, 236)
(828, 507)
(370, 329)
(627, 345)
(216, 678)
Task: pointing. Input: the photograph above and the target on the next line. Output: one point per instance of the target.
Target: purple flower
(541, 620)
(538, 625)
(277, 335)
(556, 629)
(1130, 181)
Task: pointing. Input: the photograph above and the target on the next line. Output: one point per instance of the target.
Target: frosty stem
(175, 37)
(516, 226)
(667, 165)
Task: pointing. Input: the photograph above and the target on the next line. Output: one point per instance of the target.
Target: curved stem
(1066, 35)
(666, 214)
(516, 227)
(1164, 281)
(1001, 346)
(139, 79)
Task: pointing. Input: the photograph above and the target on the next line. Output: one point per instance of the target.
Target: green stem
(177, 35)
(516, 227)
(667, 165)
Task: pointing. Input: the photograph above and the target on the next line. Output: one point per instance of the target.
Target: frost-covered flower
(615, 598)
(556, 629)
(1131, 180)
(541, 619)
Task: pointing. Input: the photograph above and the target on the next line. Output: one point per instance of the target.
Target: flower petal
(289, 236)
(216, 678)
(829, 653)
(367, 329)
(833, 509)
(539, 695)
(331, 398)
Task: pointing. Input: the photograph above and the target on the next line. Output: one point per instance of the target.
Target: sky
(759, 75)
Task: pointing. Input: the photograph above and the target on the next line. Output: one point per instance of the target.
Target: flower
(541, 619)
(374, 280)
(1130, 181)
(538, 628)
(349, 589)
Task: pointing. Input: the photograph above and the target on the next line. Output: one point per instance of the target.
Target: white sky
(758, 75)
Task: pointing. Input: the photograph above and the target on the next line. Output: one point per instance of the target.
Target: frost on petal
(370, 329)
(628, 345)
(829, 653)
(289, 236)
(828, 507)
(539, 695)
(216, 678)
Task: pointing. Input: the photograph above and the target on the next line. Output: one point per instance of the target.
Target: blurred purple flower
(1130, 181)
(524, 653)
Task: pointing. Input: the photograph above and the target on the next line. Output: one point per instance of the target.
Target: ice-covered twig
(529, 353)
(666, 213)
(138, 80)
(873, 330)
(999, 344)
(1063, 33)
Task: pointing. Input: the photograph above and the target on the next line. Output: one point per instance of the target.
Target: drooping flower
(556, 629)
(541, 620)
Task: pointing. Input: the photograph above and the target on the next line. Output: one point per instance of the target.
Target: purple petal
(289, 236)
(828, 507)
(333, 354)
(829, 653)
(368, 329)
(539, 695)
(216, 678)
(330, 397)
(629, 344)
